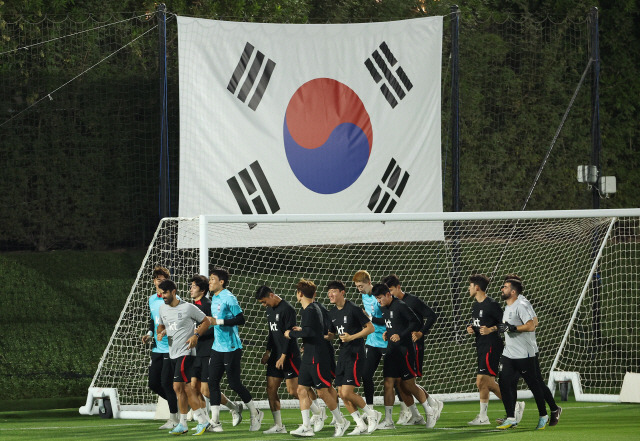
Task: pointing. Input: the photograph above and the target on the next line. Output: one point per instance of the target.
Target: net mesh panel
(80, 166)
(553, 257)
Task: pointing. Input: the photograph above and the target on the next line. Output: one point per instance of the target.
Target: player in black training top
(399, 361)
(315, 368)
(427, 318)
(282, 355)
(352, 326)
(486, 315)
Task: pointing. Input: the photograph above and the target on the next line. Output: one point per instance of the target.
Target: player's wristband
(150, 333)
(219, 322)
(196, 334)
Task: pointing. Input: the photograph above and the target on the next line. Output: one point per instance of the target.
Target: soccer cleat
(501, 420)
(302, 431)
(555, 416)
(201, 428)
(256, 421)
(415, 421)
(385, 425)
(479, 421)
(275, 429)
(438, 410)
(403, 419)
(168, 425)
(236, 415)
(519, 411)
(317, 421)
(508, 423)
(542, 422)
(214, 427)
(431, 420)
(341, 428)
(372, 422)
(179, 430)
(359, 430)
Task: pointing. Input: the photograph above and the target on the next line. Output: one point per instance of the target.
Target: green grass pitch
(579, 422)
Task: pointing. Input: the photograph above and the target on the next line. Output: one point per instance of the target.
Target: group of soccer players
(195, 344)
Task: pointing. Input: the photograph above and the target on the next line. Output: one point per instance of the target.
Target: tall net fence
(81, 149)
(80, 131)
(553, 256)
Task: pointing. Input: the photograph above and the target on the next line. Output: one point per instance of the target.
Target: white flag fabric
(285, 118)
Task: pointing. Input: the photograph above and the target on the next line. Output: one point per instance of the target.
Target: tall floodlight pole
(164, 193)
(596, 144)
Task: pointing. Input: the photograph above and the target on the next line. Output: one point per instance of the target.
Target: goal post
(584, 333)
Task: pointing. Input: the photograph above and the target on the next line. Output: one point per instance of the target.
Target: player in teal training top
(226, 353)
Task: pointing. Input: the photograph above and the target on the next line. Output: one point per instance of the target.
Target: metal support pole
(456, 276)
(455, 106)
(596, 144)
(164, 190)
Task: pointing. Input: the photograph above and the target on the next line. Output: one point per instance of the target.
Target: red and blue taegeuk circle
(327, 135)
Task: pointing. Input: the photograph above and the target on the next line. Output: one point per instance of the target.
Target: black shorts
(489, 360)
(181, 367)
(399, 362)
(200, 368)
(350, 367)
(316, 375)
(291, 368)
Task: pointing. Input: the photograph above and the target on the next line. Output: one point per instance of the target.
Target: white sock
(337, 415)
(414, 410)
(306, 418)
(388, 413)
(368, 410)
(277, 418)
(483, 409)
(403, 406)
(252, 408)
(174, 418)
(426, 407)
(357, 418)
(432, 401)
(215, 414)
(183, 419)
(315, 407)
(200, 415)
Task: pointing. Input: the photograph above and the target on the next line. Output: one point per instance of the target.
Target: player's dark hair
(391, 280)
(516, 285)
(221, 274)
(512, 276)
(167, 285)
(160, 271)
(379, 289)
(336, 284)
(307, 288)
(201, 282)
(262, 292)
(481, 280)
(362, 277)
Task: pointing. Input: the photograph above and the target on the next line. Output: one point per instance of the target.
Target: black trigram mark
(386, 195)
(259, 70)
(395, 83)
(252, 190)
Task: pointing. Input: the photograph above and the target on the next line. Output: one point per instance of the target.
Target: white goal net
(580, 271)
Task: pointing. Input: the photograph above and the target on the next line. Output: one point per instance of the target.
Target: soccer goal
(580, 271)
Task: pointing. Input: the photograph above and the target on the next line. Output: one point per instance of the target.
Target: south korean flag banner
(288, 119)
